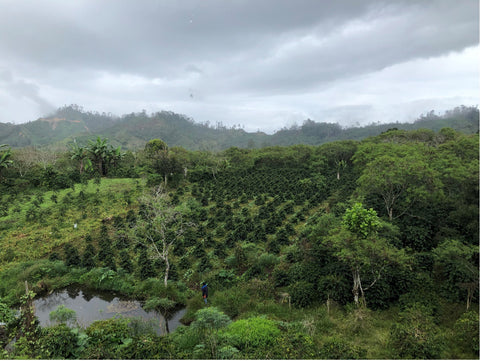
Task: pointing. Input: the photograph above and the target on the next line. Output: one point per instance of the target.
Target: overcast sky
(263, 64)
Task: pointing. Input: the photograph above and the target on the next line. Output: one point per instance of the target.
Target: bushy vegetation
(349, 250)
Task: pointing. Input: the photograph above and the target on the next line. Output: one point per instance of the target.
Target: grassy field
(36, 224)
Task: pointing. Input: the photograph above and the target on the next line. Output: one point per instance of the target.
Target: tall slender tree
(160, 227)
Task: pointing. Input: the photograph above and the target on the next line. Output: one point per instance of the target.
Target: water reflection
(91, 306)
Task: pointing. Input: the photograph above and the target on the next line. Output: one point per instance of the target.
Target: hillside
(284, 236)
(131, 131)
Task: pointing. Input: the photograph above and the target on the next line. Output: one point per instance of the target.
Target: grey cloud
(209, 48)
(20, 88)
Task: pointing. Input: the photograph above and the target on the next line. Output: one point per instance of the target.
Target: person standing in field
(205, 291)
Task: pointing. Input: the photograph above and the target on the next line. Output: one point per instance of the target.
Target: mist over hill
(132, 131)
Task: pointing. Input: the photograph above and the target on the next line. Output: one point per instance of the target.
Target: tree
(114, 156)
(357, 243)
(160, 227)
(5, 162)
(457, 266)
(208, 322)
(398, 173)
(99, 151)
(24, 160)
(337, 155)
(72, 257)
(161, 160)
(88, 258)
(80, 154)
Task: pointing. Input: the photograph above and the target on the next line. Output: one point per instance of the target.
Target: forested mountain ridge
(131, 131)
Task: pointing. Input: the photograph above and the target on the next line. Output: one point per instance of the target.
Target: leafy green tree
(161, 159)
(400, 174)
(88, 258)
(72, 257)
(145, 265)
(415, 335)
(208, 322)
(58, 342)
(457, 268)
(357, 244)
(125, 261)
(467, 331)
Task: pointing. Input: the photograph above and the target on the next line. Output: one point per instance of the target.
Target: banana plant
(5, 162)
(81, 155)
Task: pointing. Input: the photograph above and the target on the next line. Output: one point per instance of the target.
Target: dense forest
(352, 249)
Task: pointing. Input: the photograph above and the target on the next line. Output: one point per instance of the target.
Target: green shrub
(416, 336)
(193, 305)
(7, 315)
(184, 340)
(106, 337)
(210, 318)
(232, 301)
(208, 322)
(254, 333)
(293, 343)
(303, 294)
(57, 342)
(63, 315)
(466, 331)
(107, 279)
(175, 291)
(335, 349)
(227, 353)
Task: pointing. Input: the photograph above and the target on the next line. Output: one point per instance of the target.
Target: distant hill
(132, 131)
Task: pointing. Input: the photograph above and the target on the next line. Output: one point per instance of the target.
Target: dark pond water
(90, 306)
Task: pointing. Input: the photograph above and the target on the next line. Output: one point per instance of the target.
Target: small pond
(90, 306)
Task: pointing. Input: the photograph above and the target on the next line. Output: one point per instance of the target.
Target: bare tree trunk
(357, 290)
(167, 269)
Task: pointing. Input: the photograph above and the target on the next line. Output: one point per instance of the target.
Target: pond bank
(92, 305)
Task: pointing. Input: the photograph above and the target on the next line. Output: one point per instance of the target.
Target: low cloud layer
(262, 64)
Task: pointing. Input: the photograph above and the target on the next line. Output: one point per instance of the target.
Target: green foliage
(72, 257)
(58, 342)
(210, 318)
(7, 315)
(254, 334)
(164, 305)
(303, 294)
(457, 269)
(360, 221)
(107, 279)
(338, 349)
(63, 315)
(467, 331)
(267, 221)
(231, 301)
(416, 336)
(208, 323)
(88, 257)
(227, 353)
(106, 337)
